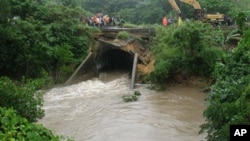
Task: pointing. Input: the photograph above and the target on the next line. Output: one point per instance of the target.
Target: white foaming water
(93, 110)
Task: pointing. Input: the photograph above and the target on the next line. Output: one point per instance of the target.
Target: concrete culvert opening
(115, 60)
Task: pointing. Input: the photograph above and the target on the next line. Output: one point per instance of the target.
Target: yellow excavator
(199, 12)
(177, 10)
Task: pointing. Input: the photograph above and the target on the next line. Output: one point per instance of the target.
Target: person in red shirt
(165, 21)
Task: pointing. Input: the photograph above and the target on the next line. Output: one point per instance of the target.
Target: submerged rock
(129, 98)
(137, 93)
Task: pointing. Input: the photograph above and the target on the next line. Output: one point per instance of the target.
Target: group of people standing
(103, 20)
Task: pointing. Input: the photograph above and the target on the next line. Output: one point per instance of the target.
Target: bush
(43, 37)
(15, 128)
(189, 49)
(22, 98)
(230, 95)
(123, 35)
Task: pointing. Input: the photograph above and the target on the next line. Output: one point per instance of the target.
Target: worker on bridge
(165, 21)
(121, 21)
(179, 20)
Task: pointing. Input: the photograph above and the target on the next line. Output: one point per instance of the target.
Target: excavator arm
(194, 3)
(174, 6)
(198, 13)
(177, 10)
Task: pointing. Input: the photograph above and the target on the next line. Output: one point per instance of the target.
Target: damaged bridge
(110, 53)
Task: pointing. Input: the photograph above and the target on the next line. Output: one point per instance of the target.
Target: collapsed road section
(111, 55)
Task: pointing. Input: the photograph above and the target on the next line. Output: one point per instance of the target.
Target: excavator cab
(198, 14)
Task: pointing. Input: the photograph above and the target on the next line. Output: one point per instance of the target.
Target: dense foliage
(189, 49)
(229, 100)
(15, 128)
(24, 99)
(148, 11)
(39, 39)
(241, 22)
(20, 105)
(45, 39)
(42, 39)
(196, 49)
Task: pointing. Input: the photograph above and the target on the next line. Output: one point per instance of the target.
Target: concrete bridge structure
(109, 54)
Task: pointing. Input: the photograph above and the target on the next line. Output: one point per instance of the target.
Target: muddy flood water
(94, 110)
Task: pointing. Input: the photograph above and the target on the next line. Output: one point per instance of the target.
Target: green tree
(24, 99)
(16, 128)
(154, 13)
(228, 101)
(189, 49)
(213, 6)
(32, 42)
(4, 10)
(241, 22)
